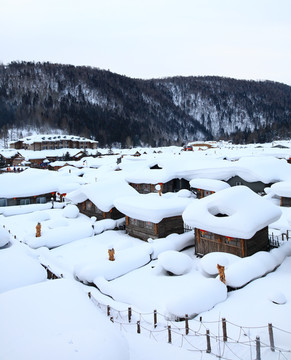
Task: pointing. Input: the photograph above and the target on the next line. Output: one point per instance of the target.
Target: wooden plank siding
(146, 229)
(90, 209)
(206, 242)
(27, 200)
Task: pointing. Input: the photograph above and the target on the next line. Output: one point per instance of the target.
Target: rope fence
(203, 339)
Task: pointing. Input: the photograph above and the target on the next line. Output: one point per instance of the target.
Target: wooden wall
(90, 209)
(145, 229)
(206, 242)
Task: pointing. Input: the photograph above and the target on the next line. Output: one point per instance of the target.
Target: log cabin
(97, 199)
(282, 189)
(204, 187)
(234, 220)
(153, 216)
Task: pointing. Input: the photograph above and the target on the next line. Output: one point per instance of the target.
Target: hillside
(112, 108)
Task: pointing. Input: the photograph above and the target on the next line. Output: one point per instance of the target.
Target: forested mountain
(116, 109)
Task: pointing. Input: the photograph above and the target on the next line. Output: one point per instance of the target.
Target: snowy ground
(48, 319)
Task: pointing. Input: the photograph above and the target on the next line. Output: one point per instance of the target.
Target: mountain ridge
(113, 108)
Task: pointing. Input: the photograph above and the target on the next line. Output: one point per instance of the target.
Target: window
(133, 221)
(24, 202)
(3, 202)
(148, 225)
(238, 183)
(41, 200)
(89, 205)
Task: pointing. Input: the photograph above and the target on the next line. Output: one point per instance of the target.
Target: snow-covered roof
(246, 213)
(148, 176)
(209, 184)
(35, 182)
(152, 207)
(282, 188)
(41, 138)
(102, 194)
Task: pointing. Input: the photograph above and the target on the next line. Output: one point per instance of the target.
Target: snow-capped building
(34, 186)
(97, 199)
(234, 220)
(283, 190)
(46, 142)
(205, 187)
(154, 216)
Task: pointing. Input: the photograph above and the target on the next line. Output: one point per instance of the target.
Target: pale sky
(243, 39)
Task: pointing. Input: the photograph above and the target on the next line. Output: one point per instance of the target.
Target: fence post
(155, 318)
(271, 337)
(258, 348)
(208, 350)
(186, 325)
(224, 330)
(138, 327)
(111, 319)
(108, 310)
(129, 314)
(169, 335)
(89, 295)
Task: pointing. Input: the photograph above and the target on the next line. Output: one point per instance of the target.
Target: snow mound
(60, 235)
(175, 262)
(56, 320)
(52, 224)
(4, 237)
(39, 216)
(71, 211)
(209, 261)
(103, 225)
(19, 269)
(203, 297)
(252, 267)
(278, 298)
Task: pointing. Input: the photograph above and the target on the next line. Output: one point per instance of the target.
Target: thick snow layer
(18, 268)
(175, 262)
(282, 188)
(105, 224)
(171, 242)
(209, 262)
(211, 292)
(252, 267)
(246, 213)
(26, 209)
(125, 261)
(61, 235)
(209, 184)
(36, 182)
(71, 211)
(152, 207)
(148, 176)
(102, 194)
(4, 237)
(54, 320)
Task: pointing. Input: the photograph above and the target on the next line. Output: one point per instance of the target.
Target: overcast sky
(244, 39)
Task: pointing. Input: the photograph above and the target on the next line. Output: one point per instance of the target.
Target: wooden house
(204, 187)
(34, 186)
(282, 189)
(146, 181)
(257, 186)
(153, 216)
(234, 220)
(97, 199)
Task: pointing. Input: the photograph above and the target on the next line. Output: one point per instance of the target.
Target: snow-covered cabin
(204, 187)
(283, 190)
(45, 142)
(97, 199)
(146, 181)
(259, 172)
(154, 216)
(234, 220)
(34, 186)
